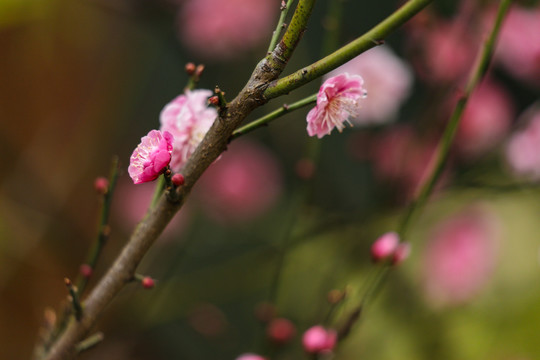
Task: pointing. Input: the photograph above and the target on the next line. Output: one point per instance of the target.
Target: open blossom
(389, 80)
(338, 99)
(188, 119)
(151, 156)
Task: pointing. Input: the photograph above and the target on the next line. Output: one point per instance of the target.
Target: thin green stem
(103, 226)
(280, 26)
(284, 49)
(264, 120)
(365, 42)
(443, 149)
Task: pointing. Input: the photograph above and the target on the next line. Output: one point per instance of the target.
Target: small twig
(266, 119)
(74, 298)
(347, 52)
(89, 342)
(280, 25)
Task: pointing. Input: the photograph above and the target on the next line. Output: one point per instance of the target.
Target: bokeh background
(81, 81)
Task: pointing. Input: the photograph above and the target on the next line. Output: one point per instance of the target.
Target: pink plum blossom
(242, 185)
(151, 156)
(384, 246)
(389, 80)
(523, 148)
(460, 257)
(518, 48)
(250, 356)
(188, 118)
(485, 121)
(217, 29)
(318, 340)
(403, 158)
(338, 99)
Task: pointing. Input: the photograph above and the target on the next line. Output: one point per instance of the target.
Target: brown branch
(214, 143)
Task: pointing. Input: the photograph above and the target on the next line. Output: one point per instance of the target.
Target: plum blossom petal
(188, 118)
(151, 156)
(389, 80)
(338, 99)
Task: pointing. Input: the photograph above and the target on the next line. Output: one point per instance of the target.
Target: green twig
(263, 121)
(74, 298)
(365, 42)
(280, 25)
(443, 149)
(89, 342)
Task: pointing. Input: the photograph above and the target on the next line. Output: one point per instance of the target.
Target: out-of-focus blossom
(318, 340)
(384, 246)
(250, 356)
(208, 320)
(485, 121)
(523, 149)
(403, 250)
(389, 80)
(338, 100)
(132, 202)
(518, 48)
(188, 118)
(217, 29)
(443, 51)
(242, 185)
(403, 158)
(460, 257)
(151, 156)
(280, 330)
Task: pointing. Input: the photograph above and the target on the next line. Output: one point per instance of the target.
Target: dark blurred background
(81, 81)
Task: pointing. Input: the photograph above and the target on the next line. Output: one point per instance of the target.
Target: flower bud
(147, 282)
(190, 68)
(86, 271)
(281, 330)
(214, 100)
(317, 340)
(384, 246)
(178, 179)
(101, 184)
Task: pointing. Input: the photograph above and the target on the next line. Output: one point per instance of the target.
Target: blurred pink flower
(460, 257)
(486, 119)
(188, 118)
(250, 356)
(523, 149)
(131, 204)
(389, 80)
(217, 29)
(403, 158)
(280, 331)
(318, 340)
(403, 250)
(518, 48)
(338, 99)
(151, 156)
(443, 51)
(242, 185)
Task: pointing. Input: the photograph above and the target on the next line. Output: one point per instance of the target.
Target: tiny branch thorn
(74, 298)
